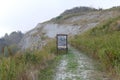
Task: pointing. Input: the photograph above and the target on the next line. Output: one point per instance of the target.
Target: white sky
(24, 15)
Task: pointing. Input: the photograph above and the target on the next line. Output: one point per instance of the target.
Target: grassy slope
(102, 43)
(29, 65)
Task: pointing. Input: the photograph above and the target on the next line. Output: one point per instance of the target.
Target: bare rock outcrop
(71, 22)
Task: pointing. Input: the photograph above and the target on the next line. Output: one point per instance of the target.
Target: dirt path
(77, 66)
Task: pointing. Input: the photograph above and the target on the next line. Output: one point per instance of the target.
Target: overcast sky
(24, 15)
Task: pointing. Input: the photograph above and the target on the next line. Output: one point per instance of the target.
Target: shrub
(19, 66)
(102, 42)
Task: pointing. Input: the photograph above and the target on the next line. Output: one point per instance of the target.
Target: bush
(18, 66)
(103, 43)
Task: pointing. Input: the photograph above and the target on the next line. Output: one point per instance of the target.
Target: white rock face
(32, 40)
(73, 25)
(53, 29)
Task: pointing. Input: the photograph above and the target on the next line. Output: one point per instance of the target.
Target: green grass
(72, 61)
(102, 43)
(49, 72)
(21, 65)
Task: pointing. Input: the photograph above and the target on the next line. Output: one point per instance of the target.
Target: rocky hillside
(13, 39)
(78, 10)
(71, 22)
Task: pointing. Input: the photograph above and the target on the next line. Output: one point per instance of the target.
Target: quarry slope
(71, 24)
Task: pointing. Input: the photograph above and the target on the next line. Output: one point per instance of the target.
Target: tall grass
(27, 65)
(102, 43)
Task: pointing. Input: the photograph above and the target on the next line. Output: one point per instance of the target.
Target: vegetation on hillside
(102, 43)
(84, 16)
(78, 10)
(28, 65)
